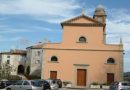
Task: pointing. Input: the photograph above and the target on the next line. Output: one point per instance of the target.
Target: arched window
(54, 58)
(110, 60)
(38, 53)
(82, 39)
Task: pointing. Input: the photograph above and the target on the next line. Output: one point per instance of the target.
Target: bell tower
(100, 14)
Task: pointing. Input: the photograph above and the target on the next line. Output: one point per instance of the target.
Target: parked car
(45, 85)
(53, 84)
(25, 85)
(59, 82)
(124, 85)
(2, 84)
(5, 83)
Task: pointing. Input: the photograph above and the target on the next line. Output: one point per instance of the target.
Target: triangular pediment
(81, 19)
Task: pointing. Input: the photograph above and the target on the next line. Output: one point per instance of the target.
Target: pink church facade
(83, 57)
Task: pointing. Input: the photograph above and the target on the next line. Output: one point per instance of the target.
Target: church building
(83, 56)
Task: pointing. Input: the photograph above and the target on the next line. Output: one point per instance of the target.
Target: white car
(25, 85)
(53, 84)
(124, 85)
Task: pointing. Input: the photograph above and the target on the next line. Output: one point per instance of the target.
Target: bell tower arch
(100, 14)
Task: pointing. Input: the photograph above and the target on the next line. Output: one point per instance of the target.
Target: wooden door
(81, 77)
(53, 74)
(110, 77)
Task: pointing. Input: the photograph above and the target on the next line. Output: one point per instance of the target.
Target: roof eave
(68, 21)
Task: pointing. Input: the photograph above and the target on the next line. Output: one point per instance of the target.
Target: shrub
(107, 83)
(11, 77)
(66, 82)
(32, 77)
(94, 83)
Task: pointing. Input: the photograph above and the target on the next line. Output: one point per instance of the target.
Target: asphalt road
(80, 89)
(73, 89)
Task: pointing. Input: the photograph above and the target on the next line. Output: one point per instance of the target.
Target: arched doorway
(20, 69)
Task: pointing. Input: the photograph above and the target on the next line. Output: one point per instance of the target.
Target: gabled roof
(38, 46)
(16, 51)
(89, 21)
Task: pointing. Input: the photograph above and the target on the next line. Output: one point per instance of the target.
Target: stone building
(34, 59)
(16, 59)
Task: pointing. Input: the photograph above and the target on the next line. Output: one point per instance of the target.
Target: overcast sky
(27, 22)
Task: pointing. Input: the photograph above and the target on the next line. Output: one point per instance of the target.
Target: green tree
(5, 71)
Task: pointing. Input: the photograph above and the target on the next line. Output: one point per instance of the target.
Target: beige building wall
(94, 61)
